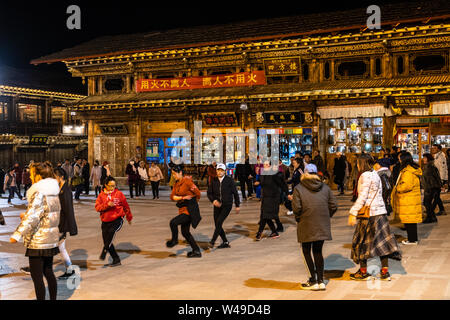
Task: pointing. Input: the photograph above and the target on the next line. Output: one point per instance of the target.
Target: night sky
(31, 30)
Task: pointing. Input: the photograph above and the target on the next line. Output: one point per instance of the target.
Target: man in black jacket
(221, 192)
(244, 174)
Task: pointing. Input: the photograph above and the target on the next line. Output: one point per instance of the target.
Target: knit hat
(310, 168)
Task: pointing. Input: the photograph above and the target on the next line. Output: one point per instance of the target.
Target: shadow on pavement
(129, 249)
(272, 284)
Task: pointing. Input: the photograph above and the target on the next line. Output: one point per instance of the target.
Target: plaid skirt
(372, 238)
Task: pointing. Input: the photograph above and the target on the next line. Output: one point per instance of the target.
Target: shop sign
(288, 117)
(113, 129)
(423, 120)
(411, 101)
(220, 119)
(282, 66)
(242, 79)
(38, 139)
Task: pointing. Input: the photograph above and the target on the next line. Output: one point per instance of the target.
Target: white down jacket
(370, 194)
(39, 227)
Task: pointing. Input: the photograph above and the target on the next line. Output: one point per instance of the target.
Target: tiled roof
(262, 29)
(421, 81)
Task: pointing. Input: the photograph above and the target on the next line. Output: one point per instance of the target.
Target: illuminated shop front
(354, 129)
(296, 132)
(422, 126)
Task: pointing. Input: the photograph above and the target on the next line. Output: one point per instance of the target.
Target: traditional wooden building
(321, 81)
(35, 123)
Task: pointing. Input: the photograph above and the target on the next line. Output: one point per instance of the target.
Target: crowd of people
(387, 185)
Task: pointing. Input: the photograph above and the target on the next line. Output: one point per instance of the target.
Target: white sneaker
(406, 242)
(290, 213)
(322, 286)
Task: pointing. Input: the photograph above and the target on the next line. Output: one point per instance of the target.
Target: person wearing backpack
(382, 168)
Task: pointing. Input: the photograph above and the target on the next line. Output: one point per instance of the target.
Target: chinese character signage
(220, 119)
(282, 67)
(288, 117)
(243, 79)
(38, 139)
(113, 129)
(411, 101)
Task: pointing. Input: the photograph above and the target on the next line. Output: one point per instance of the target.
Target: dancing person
(432, 183)
(272, 184)
(67, 222)
(143, 177)
(406, 197)
(39, 228)
(133, 178)
(113, 207)
(221, 192)
(155, 174)
(187, 195)
(95, 178)
(18, 170)
(11, 185)
(372, 236)
(313, 205)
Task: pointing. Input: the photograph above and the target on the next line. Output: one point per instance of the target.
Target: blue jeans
(13, 190)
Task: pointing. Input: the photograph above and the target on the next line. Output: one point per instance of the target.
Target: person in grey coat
(313, 205)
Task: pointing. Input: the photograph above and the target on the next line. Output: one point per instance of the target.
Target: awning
(354, 111)
(440, 108)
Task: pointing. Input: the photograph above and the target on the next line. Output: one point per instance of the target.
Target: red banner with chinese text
(242, 79)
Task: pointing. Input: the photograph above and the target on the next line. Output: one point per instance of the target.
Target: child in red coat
(113, 206)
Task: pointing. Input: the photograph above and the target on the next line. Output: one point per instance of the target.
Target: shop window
(378, 67)
(355, 135)
(434, 62)
(327, 70)
(114, 85)
(443, 140)
(400, 65)
(57, 114)
(28, 113)
(305, 71)
(350, 69)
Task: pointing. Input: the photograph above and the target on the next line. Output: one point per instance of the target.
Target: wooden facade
(342, 77)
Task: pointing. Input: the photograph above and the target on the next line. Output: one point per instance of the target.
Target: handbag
(364, 212)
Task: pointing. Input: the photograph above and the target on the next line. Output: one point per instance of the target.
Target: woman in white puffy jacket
(372, 236)
(39, 228)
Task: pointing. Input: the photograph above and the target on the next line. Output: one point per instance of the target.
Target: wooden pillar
(127, 84)
(139, 136)
(321, 70)
(91, 141)
(332, 71)
(372, 67)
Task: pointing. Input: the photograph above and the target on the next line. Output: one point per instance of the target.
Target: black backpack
(386, 192)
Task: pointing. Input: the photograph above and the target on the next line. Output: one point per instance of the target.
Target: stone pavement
(269, 269)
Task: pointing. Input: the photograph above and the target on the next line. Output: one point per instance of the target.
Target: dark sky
(29, 30)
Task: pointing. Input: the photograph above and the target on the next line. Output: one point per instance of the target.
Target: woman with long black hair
(372, 236)
(39, 228)
(406, 197)
(67, 222)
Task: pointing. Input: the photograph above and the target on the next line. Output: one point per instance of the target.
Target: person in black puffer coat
(431, 183)
(133, 177)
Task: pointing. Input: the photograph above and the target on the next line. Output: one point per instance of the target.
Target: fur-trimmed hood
(47, 187)
(311, 182)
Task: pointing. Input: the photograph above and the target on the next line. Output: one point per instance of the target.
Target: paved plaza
(269, 269)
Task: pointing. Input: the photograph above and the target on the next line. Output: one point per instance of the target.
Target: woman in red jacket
(186, 193)
(113, 206)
